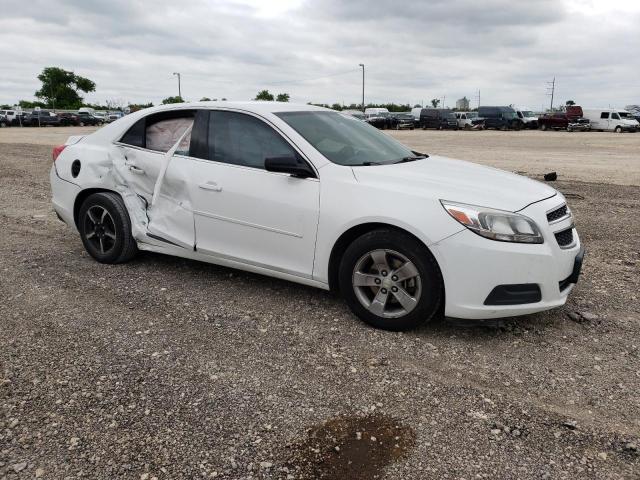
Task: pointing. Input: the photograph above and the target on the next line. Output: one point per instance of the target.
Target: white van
(375, 111)
(529, 118)
(609, 120)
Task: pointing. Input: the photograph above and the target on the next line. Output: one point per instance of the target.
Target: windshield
(508, 115)
(625, 115)
(528, 113)
(345, 141)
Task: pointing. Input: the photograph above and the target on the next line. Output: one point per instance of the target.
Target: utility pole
(179, 92)
(551, 91)
(362, 65)
(478, 98)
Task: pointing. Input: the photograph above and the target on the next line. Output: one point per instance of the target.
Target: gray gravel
(169, 369)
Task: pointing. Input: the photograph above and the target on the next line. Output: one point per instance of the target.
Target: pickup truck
(563, 121)
(41, 118)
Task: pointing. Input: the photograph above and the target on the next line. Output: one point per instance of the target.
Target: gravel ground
(169, 369)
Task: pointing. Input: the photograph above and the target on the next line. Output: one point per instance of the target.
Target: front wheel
(543, 128)
(105, 228)
(390, 280)
(618, 129)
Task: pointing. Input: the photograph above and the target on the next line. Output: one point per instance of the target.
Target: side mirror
(293, 165)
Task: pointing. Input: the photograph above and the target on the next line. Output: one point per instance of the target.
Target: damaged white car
(316, 197)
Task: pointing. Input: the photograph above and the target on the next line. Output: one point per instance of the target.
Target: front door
(243, 212)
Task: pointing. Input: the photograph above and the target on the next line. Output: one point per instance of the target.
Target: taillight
(57, 151)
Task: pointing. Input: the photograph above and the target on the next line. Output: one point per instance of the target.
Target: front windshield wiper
(412, 159)
(367, 164)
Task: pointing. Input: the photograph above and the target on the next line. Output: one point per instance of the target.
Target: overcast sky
(413, 51)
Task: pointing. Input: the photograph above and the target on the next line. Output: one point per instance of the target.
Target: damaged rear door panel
(153, 181)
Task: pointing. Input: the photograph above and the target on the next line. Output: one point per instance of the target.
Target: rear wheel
(390, 280)
(543, 128)
(105, 228)
(618, 129)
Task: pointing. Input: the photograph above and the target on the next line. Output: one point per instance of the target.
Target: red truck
(570, 120)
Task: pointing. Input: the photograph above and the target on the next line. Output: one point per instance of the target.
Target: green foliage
(336, 106)
(60, 88)
(569, 103)
(435, 102)
(176, 99)
(134, 107)
(282, 97)
(264, 95)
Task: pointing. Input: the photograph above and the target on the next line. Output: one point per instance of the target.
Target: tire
(374, 257)
(81, 124)
(569, 129)
(543, 128)
(106, 236)
(618, 130)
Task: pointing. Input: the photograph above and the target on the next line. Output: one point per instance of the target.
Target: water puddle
(352, 447)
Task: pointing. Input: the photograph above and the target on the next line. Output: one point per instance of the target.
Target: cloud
(413, 51)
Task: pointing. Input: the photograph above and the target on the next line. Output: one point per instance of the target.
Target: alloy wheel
(100, 229)
(387, 283)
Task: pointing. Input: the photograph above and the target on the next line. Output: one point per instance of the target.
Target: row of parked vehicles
(43, 118)
(574, 118)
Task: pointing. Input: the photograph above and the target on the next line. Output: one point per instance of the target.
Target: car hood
(444, 178)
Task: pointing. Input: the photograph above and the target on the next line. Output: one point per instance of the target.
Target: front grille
(565, 237)
(557, 213)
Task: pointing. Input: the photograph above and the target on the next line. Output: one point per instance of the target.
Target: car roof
(259, 107)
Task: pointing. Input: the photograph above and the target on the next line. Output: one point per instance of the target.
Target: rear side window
(241, 139)
(604, 115)
(160, 131)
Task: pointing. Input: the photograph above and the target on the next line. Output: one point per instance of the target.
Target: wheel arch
(82, 196)
(355, 231)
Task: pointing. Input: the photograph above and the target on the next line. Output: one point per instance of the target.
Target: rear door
(244, 213)
(146, 162)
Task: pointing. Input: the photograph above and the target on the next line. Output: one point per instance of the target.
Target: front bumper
(473, 266)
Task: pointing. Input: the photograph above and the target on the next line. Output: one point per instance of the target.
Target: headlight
(495, 224)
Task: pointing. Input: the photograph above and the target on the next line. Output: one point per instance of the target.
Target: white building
(462, 104)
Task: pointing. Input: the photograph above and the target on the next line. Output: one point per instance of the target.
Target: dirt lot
(165, 368)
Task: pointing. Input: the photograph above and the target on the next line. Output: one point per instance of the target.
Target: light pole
(179, 92)
(362, 65)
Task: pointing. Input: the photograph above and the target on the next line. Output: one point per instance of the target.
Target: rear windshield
(344, 140)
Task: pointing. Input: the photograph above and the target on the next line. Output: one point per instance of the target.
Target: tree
(176, 99)
(134, 107)
(435, 102)
(205, 99)
(264, 95)
(28, 105)
(282, 97)
(60, 88)
(569, 103)
(336, 106)
(417, 105)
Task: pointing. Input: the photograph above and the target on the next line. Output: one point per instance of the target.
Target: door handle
(136, 170)
(210, 186)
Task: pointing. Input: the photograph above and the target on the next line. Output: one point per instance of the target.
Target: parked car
(67, 118)
(502, 118)
(100, 116)
(11, 116)
(630, 117)
(41, 118)
(402, 121)
(379, 120)
(609, 119)
(465, 119)
(4, 121)
(375, 110)
(85, 118)
(309, 195)
(563, 121)
(529, 119)
(439, 118)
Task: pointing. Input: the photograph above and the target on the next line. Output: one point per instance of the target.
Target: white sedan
(316, 197)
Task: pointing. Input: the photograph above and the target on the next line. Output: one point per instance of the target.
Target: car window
(160, 131)
(615, 116)
(604, 115)
(241, 139)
